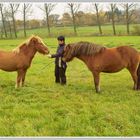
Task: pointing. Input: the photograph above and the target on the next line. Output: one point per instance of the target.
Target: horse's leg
(23, 77)
(138, 74)
(96, 77)
(133, 73)
(19, 77)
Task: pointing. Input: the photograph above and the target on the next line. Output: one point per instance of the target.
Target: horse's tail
(138, 75)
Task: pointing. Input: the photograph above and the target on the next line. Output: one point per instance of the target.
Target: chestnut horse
(20, 58)
(101, 59)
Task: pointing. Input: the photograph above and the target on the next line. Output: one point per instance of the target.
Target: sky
(60, 8)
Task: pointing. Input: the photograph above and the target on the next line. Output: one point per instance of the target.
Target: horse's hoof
(98, 92)
(138, 88)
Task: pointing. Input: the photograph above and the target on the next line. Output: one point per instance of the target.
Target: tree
(108, 16)
(98, 18)
(118, 13)
(74, 9)
(136, 16)
(80, 17)
(66, 19)
(129, 11)
(14, 8)
(26, 10)
(48, 8)
(34, 23)
(3, 20)
(54, 19)
(8, 18)
(113, 6)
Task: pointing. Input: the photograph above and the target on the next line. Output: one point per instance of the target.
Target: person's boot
(57, 80)
(63, 81)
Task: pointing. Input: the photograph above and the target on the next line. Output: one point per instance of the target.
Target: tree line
(115, 14)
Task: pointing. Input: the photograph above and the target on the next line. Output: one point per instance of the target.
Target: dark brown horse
(20, 58)
(101, 59)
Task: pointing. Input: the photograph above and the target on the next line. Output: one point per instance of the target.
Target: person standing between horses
(60, 65)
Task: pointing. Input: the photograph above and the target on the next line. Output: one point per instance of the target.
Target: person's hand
(49, 56)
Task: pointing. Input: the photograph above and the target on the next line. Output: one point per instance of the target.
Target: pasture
(43, 108)
(81, 31)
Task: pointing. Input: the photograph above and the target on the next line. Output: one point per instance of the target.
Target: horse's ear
(33, 40)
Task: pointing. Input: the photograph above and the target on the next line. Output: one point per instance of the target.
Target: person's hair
(61, 38)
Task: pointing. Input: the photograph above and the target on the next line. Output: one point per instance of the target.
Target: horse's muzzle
(47, 52)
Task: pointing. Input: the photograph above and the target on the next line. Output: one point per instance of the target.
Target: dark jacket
(58, 56)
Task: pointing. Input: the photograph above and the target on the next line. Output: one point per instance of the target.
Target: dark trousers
(60, 76)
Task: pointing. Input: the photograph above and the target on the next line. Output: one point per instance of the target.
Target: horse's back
(6, 54)
(117, 58)
(128, 53)
(126, 50)
(129, 56)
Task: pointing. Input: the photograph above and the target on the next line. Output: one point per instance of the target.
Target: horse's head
(39, 45)
(68, 53)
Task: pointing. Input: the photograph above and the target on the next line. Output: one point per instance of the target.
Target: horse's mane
(85, 48)
(25, 44)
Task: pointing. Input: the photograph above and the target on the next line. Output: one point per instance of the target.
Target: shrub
(136, 30)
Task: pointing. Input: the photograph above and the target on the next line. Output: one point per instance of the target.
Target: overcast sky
(60, 8)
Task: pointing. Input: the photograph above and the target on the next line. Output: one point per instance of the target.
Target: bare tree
(74, 9)
(98, 17)
(7, 15)
(113, 6)
(26, 10)
(10, 29)
(129, 12)
(3, 20)
(54, 18)
(14, 8)
(48, 8)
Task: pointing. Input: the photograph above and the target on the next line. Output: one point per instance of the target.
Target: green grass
(81, 31)
(43, 108)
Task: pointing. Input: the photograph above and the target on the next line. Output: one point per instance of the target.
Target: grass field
(43, 108)
(81, 31)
